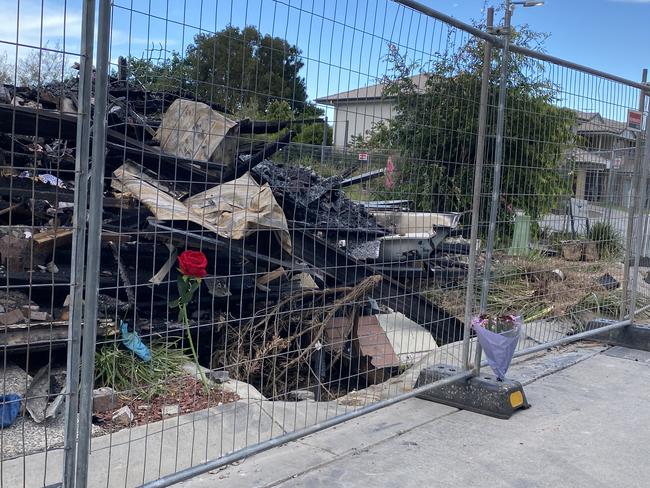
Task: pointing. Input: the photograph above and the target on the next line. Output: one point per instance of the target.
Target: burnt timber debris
(282, 241)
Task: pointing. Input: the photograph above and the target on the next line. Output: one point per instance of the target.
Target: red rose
(193, 263)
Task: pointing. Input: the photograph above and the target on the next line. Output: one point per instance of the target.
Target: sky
(344, 42)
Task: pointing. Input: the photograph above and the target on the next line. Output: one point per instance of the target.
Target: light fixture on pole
(528, 4)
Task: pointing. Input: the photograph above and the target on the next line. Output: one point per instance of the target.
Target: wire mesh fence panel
(560, 237)
(262, 271)
(40, 110)
(292, 210)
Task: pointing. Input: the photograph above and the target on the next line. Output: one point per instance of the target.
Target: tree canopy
(435, 132)
(36, 67)
(236, 68)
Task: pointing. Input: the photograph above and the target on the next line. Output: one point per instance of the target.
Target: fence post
(79, 243)
(628, 307)
(476, 195)
(496, 187)
(641, 205)
(322, 149)
(609, 196)
(93, 242)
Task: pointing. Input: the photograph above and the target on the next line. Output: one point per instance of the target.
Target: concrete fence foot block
(482, 394)
(631, 336)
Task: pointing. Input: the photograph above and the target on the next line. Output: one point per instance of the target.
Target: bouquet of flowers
(498, 337)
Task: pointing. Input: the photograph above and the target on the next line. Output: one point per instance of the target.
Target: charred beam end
(266, 152)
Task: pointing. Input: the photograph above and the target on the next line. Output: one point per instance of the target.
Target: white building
(356, 111)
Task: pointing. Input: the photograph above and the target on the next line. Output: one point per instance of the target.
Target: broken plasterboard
(193, 130)
(409, 340)
(373, 342)
(233, 210)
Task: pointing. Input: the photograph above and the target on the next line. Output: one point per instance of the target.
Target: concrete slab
(292, 416)
(529, 369)
(358, 434)
(409, 339)
(131, 457)
(586, 429)
(276, 466)
(631, 354)
(573, 411)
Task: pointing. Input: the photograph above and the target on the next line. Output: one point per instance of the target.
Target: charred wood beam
(56, 125)
(230, 247)
(25, 188)
(158, 101)
(362, 178)
(37, 122)
(270, 149)
(247, 126)
(266, 152)
(344, 270)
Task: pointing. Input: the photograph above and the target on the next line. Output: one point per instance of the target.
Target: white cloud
(30, 24)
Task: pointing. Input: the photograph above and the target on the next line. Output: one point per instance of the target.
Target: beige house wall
(357, 118)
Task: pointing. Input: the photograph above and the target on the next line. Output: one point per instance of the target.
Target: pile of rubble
(298, 272)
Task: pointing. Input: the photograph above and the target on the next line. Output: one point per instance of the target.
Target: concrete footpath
(589, 426)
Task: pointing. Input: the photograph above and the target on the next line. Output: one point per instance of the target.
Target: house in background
(356, 111)
(605, 146)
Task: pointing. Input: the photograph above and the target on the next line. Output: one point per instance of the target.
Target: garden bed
(185, 393)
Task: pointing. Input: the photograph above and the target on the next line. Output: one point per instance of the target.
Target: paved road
(588, 427)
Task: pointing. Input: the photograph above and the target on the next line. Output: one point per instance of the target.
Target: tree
(6, 69)
(235, 67)
(435, 133)
(278, 110)
(158, 72)
(37, 68)
(313, 134)
(42, 66)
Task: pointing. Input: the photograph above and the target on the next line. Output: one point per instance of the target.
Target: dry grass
(274, 349)
(533, 288)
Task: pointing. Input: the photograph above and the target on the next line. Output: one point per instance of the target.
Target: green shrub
(607, 239)
(313, 134)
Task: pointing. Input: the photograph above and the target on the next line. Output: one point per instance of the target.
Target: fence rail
(356, 187)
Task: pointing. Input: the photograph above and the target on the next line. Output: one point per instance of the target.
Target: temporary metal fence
(363, 178)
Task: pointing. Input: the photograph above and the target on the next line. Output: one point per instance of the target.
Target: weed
(607, 239)
(123, 371)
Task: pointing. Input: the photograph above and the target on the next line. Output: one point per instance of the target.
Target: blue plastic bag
(9, 409)
(133, 342)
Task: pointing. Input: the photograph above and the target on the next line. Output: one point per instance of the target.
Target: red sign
(634, 120)
(363, 156)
